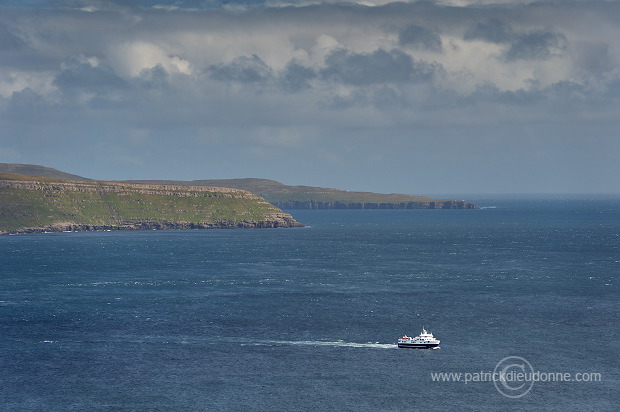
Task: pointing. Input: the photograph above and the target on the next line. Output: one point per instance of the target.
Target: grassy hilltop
(36, 170)
(35, 204)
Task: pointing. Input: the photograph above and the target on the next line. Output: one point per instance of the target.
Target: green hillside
(34, 204)
(36, 170)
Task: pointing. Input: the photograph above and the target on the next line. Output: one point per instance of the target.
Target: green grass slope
(36, 170)
(31, 203)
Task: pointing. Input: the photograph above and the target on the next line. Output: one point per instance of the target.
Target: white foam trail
(339, 343)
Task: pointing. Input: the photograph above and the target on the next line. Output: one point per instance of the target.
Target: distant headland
(281, 195)
(310, 197)
(37, 199)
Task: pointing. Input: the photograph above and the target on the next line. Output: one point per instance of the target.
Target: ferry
(424, 340)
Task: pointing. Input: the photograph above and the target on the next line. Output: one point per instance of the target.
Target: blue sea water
(307, 319)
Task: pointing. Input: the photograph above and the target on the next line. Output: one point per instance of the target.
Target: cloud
(494, 31)
(10, 40)
(242, 69)
(380, 66)
(528, 45)
(27, 100)
(84, 78)
(536, 45)
(421, 37)
(155, 77)
(131, 58)
(12, 81)
(296, 76)
(293, 50)
(346, 79)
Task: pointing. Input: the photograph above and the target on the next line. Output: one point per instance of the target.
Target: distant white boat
(424, 340)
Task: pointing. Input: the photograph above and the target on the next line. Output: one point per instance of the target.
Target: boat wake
(339, 343)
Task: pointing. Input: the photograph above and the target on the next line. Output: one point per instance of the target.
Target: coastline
(283, 220)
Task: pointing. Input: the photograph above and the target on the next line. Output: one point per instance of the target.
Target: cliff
(311, 197)
(38, 204)
(430, 204)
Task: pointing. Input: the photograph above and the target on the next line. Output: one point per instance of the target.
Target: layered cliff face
(434, 204)
(37, 204)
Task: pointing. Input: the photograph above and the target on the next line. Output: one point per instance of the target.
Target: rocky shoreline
(282, 220)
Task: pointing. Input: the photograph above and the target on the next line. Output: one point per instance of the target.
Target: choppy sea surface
(307, 319)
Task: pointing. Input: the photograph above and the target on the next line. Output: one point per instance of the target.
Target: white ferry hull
(418, 345)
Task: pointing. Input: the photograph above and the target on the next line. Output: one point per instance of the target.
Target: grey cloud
(493, 31)
(377, 67)
(79, 77)
(595, 57)
(9, 40)
(242, 69)
(555, 101)
(492, 95)
(385, 97)
(296, 76)
(114, 4)
(420, 37)
(537, 45)
(356, 98)
(154, 77)
(528, 45)
(378, 96)
(26, 101)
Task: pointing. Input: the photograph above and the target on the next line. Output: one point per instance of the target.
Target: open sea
(307, 319)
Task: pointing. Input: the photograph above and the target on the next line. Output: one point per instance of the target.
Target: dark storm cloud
(297, 76)
(420, 37)
(380, 66)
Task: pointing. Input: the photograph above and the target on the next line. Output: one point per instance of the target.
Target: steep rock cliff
(37, 204)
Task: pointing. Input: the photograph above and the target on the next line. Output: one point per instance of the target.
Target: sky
(417, 97)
